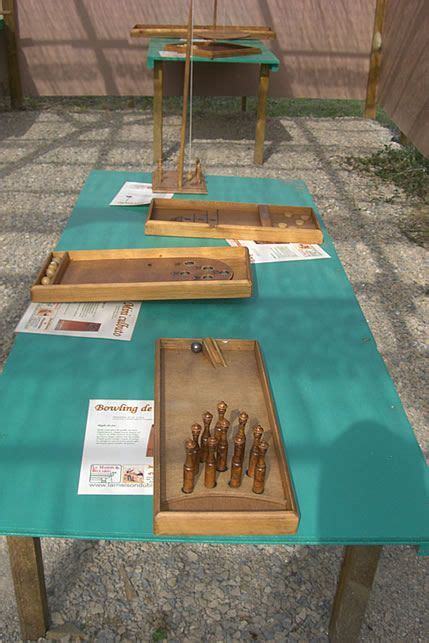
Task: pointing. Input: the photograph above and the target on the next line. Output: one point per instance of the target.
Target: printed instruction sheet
(273, 252)
(137, 194)
(117, 456)
(109, 320)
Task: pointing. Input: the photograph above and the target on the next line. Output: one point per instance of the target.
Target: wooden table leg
(264, 81)
(354, 586)
(158, 75)
(26, 565)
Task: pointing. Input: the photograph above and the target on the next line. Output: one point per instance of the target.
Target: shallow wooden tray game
(156, 273)
(214, 49)
(229, 220)
(187, 384)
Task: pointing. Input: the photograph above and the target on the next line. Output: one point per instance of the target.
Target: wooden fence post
(14, 75)
(374, 61)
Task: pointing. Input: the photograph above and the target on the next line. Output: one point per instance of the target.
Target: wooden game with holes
(222, 384)
(156, 273)
(230, 220)
(213, 49)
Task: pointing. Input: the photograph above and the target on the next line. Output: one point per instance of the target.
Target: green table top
(266, 57)
(357, 469)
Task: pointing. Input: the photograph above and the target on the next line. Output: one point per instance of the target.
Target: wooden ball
(56, 260)
(299, 222)
(282, 224)
(50, 271)
(46, 281)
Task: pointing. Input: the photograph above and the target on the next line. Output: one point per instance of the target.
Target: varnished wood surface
(223, 32)
(214, 49)
(186, 386)
(375, 61)
(230, 220)
(26, 565)
(134, 274)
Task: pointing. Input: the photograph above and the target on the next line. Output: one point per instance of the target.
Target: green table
(266, 60)
(357, 469)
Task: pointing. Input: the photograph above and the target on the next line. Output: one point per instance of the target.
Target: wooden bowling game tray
(144, 274)
(186, 385)
(230, 220)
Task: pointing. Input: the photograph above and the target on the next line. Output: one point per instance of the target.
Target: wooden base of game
(214, 49)
(186, 385)
(167, 181)
(146, 274)
(230, 220)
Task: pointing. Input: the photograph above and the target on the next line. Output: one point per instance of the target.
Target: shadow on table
(372, 485)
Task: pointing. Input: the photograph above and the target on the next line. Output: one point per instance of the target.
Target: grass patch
(286, 107)
(405, 167)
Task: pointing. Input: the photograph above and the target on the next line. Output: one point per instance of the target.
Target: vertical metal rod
(181, 161)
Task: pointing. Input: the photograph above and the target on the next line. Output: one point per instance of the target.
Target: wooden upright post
(215, 14)
(26, 565)
(354, 587)
(14, 75)
(375, 61)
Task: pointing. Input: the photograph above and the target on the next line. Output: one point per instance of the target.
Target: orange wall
(82, 47)
(404, 73)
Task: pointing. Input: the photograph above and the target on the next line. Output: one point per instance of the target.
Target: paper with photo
(108, 320)
(117, 456)
(276, 252)
(132, 193)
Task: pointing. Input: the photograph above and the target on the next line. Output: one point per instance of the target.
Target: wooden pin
(198, 171)
(242, 420)
(253, 456)
(196, 430)
(210, 470)
(237, 462)
(260, 469)
(188, 467)
(221, 409)
(222, 446)
(207, 418)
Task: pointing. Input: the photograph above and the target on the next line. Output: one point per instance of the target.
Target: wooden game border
(221, 523)
(142, 291)
(180, 31)
(263, 232)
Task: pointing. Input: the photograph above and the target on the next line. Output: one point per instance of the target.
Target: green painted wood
(266, 57)
(358, 472)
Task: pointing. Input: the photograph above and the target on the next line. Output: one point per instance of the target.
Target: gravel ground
(135, 591)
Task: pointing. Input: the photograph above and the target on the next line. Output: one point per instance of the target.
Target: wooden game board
(186, 385)
(223, 32)
(229, 220)
(156, 273)
(214, 49)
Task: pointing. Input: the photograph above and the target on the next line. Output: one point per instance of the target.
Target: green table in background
(266, 60)
(356, 467)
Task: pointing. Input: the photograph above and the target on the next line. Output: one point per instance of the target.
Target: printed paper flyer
(112, 320)
(274, 252)
(117, 456)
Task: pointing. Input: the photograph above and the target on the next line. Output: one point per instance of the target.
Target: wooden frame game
(201, 501)
(156, 273)
(230, 220)
(179, 181)
(220, 32)
(213, 49)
